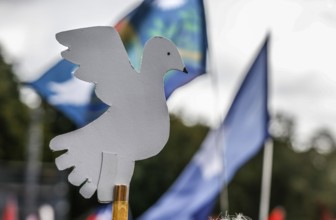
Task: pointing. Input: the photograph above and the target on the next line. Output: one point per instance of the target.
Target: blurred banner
(222, 153)
(183, 22)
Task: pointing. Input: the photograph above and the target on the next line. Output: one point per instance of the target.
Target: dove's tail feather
(88, 189)
(115, 170)
(58, 143)
(64, 162)
(76, 178)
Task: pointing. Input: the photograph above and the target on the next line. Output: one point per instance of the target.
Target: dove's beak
(185, 70)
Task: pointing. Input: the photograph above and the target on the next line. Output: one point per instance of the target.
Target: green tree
(13, 116)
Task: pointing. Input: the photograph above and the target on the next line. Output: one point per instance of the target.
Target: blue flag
(183, 22)
(222, 153)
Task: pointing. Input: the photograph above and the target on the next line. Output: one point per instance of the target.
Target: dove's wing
(101, 57)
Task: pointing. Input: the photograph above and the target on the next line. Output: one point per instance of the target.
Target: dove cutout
(135, 126)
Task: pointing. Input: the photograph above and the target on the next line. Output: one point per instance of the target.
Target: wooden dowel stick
(120, 203)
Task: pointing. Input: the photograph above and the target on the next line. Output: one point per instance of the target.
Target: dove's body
(135, 127)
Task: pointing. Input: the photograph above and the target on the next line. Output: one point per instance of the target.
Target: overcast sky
(302, 51)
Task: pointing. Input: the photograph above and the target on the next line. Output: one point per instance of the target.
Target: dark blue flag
(222, 153)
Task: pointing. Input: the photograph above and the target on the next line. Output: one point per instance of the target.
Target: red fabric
(277, 213)
(325, 214)
(10, 210)
(91, 217)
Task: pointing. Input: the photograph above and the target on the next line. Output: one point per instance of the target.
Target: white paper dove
(136, 125)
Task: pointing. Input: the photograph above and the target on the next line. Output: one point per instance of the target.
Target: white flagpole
(33, 166)
(266, 180)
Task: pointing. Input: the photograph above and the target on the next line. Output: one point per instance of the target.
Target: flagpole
(267, 166)
(33, 164)
(266, 180)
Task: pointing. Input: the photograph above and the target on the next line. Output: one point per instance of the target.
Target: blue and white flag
(222, 153)
(182, 21)
(73, 97)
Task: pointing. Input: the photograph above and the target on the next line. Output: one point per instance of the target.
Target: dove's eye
(168, 53)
